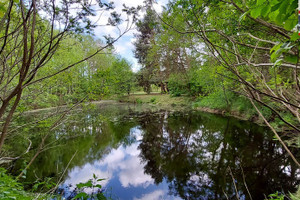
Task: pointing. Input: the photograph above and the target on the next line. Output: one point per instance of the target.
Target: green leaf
(295, 37)
(291, 59)
(290, 24)
(24, 173)
(87, 184)
(80, 185)
(284, 7)
(243, 16)
(279, 19)
(265, 11)
(278, 62)
(287, 46)
(255, 12)
(275, 47)
(273, 15)
(81, 195)
(274, 56)
(259, 2)
(275, 7)
(101, 196)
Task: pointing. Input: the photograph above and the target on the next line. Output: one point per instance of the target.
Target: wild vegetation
(236, 56)
(244, 58)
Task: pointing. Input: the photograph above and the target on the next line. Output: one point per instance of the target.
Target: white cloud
(132, 174)
(82, 175)
(122, 162)
(115, 157)
(135, 66)
(157, 194)
(124, 47)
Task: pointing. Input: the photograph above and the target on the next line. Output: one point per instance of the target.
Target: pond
(145, 153)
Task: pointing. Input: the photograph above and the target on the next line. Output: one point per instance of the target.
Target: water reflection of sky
(123, 172)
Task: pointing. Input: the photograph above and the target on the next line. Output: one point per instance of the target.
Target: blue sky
(124, 46)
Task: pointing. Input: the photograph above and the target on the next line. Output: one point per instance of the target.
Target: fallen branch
(9, 159)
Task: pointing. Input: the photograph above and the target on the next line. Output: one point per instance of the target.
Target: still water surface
(156, 154)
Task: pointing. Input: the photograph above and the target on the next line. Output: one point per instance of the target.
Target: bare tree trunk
(162, 87)
(8, 119)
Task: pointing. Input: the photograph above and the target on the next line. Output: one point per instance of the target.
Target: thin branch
(275, 133)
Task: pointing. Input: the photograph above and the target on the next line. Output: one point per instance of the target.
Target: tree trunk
(8, 119)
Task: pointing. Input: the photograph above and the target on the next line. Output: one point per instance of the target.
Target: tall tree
(146, 28)
(30, 34)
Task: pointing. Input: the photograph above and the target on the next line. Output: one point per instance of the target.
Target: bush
(10, 188)
(177, 85)
(153, 99)
(216, 100)
(139, 101)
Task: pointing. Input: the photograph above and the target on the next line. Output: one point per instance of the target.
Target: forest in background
(239, 56)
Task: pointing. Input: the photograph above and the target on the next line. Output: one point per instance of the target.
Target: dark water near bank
(146, 154)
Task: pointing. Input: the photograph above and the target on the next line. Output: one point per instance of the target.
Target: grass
(157, 99)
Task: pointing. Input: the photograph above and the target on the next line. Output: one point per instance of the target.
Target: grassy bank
(228, 105)
(163, 100)
(239, 109)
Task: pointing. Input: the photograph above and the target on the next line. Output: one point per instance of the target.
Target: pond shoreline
(170, 103)
(120, 141)
(166, 102)
(236, 115)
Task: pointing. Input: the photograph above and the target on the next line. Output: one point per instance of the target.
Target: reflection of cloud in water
(81, 175)
(132, 150)
(136, 132)
(132, 173)
(112, 160)
(123, 162)
(157, 195)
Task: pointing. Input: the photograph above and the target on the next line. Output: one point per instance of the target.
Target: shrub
(10, 188)
(139, 101)
(153, 100)
(177, 85)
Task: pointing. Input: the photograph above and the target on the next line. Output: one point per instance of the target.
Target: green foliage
(43, 185)
(101, 76)
(177, 85)
(96, 190)
(295, 196)
(243, 106)
(278, 124)
(122, 76)
(216, 100)
(276, 196)
(153, 100)
(139, 101)
(279, 12)
(10, 188)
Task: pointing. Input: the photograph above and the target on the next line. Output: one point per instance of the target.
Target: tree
(123, 77)
(146, 27)
(260, 50)
(30, 34)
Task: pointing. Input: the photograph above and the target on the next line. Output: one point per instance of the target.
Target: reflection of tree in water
(196, 152)
(91, 135)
